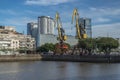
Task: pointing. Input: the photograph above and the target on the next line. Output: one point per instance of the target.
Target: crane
(61, 46)
(80, 32)
(61, 33)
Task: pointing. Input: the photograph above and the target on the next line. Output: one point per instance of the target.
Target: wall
(49, 38)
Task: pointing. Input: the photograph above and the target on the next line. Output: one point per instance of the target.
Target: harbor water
(52, 70)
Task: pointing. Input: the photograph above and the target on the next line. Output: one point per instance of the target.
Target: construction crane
(80, 31)
(60, 47)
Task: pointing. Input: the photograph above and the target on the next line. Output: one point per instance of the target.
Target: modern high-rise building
(86, 24)
(45, 25)
(32, 29)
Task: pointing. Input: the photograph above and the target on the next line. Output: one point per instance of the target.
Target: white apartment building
(26, 41)
(5, 44)
(9, 44)
(10, 39)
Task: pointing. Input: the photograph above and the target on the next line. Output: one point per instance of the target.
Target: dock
(84, 58)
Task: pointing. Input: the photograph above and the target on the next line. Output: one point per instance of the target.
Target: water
(45, 70)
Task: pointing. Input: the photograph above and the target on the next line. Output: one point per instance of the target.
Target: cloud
(20, 23)
(101, 19)
(33, 12)
(11, 12)
(105, 11)
(101, 15)
(111, 30)
(46, 2)
(17, 21)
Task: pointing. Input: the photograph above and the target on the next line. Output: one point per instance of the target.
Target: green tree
(46, 47)
(106, 44)
(87, 45)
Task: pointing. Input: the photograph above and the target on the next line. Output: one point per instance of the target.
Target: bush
(46, 47)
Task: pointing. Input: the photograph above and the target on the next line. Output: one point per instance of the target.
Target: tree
(87, 45)
(46, 47)
(106, 44)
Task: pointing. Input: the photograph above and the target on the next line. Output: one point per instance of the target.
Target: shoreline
(15, 58)
(68, 58)
(84, 58)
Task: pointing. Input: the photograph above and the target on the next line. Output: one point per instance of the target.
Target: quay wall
(71, 58)
(10, 58)
(87, 58)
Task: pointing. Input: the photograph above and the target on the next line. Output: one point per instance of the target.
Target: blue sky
(105, 14)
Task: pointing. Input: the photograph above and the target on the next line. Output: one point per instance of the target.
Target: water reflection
(45, 70)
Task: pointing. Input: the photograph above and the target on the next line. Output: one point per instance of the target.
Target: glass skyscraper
(86, 24)
(32, 29)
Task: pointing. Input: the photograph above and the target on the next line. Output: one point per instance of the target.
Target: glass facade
(32, 29)
(86, 24)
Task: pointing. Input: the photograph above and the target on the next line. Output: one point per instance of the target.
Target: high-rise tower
(32, 29)
(45, 25)
(86, 24)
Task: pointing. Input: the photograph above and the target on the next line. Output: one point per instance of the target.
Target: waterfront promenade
(26, 57)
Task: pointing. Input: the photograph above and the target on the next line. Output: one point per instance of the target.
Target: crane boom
(76, 17)
(61, 32)
(79, 29)
(57, 19)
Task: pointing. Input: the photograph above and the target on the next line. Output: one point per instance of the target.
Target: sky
(105, 14)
